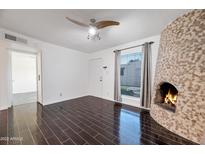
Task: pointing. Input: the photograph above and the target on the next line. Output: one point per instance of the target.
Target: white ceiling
(51, 26)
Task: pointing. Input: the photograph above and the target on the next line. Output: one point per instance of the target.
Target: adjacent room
(24, 87)
(102, 77)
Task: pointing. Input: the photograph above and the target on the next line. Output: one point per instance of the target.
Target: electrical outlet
(61, 94)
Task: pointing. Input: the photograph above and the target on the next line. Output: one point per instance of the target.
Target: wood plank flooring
(83, 121)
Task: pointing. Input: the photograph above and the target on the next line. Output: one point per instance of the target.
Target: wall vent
(14, 38)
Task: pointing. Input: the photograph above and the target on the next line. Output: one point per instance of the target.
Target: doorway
(24, 75)
(95, 77)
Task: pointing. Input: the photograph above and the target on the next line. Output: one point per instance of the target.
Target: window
(130, 73)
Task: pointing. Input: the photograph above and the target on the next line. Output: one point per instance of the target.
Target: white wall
(108, 60)
(23, 72)
(63, 71)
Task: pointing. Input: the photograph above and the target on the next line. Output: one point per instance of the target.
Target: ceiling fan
(93, 26)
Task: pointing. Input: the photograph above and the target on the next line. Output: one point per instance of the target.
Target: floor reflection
(128, 125)
(129, 122)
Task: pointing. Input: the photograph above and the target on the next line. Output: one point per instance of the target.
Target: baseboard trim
(63, 100)
(114, 101)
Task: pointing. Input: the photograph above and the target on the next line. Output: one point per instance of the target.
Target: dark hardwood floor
(86, 120)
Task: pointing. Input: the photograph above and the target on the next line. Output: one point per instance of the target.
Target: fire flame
(170, 98)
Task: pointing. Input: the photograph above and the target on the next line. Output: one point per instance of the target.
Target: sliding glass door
(130, 75)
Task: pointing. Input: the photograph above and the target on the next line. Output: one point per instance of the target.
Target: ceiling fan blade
(77, 22)
(102, 24)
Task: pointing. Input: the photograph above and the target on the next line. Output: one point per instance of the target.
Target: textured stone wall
(181, 61)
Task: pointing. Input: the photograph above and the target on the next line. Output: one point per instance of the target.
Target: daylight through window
(130, 73)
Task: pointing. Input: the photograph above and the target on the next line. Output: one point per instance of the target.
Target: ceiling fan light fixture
(94, 27)
(92, 31)
(94, 37)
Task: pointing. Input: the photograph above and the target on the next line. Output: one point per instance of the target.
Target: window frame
(131, 51)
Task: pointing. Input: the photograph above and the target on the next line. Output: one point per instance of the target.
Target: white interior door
(95, 77)
(39, 79)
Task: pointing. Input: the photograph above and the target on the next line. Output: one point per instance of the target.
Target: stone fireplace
(178, 98)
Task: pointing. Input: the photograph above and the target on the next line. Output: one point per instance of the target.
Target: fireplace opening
(166, 96)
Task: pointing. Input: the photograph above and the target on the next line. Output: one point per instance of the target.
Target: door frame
(38, 54)
(39, 77)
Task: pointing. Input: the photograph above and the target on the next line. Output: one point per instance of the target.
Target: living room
(102, 76)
